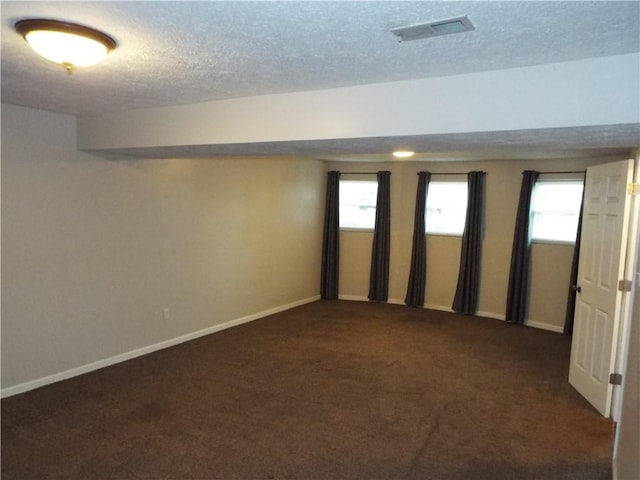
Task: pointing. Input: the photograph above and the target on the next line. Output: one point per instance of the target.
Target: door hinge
(625, 285)
(633, 188)
(615, 379)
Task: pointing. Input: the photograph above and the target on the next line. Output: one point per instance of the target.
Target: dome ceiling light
(68, 44)
(403, 154)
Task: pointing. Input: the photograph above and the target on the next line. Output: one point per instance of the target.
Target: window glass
(446, 207)
(555, 209)
(358, 204)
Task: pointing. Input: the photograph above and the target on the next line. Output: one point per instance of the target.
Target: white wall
(94, 248)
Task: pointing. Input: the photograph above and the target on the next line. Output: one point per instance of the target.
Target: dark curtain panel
(329, 273)
(518, 292)
(418, 272)
(571, 300)
(379, 278)
(466, 297)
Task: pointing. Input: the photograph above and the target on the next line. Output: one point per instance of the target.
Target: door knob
(577, 288)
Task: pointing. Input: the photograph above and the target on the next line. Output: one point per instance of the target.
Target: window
(555, 208)
(358, 204)
(446, 207)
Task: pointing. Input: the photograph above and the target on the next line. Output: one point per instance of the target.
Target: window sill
(439, 234)
(356, 229)
(552, 242)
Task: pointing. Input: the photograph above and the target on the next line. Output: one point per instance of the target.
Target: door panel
(608, 270)
(579, 338)
(601, 265)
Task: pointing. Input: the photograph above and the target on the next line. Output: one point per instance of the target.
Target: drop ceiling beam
(597, 91)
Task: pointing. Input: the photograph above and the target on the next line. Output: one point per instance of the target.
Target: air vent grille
(433, 29)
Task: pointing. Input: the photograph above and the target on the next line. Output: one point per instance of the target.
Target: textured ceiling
(182, 52)
(187, 52)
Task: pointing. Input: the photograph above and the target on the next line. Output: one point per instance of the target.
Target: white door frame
(631, 266)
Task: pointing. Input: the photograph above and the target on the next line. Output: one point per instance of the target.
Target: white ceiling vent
(433, 29)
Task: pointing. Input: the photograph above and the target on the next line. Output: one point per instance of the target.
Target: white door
(598, 301)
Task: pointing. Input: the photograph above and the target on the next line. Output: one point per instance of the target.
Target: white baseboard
(353, 298)
(444, 308)
(74, 372)
(544, 326)
(358, 298)
(440, 308)
(495, 316)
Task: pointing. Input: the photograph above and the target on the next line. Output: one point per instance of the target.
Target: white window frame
(549, 179)
(461, 185)
(368, 181)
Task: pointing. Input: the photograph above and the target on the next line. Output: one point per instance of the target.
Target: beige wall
(551, 264)
(94, 248)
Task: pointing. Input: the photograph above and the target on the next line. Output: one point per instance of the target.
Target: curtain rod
(564, 172)
(451, 173)
(360, 173)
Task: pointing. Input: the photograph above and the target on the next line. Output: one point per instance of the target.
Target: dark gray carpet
(329, 390)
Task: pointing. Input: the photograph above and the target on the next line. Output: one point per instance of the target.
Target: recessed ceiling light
(68, 44)
(403, 154)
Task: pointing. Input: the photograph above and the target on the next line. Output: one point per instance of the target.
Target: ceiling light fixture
(68, 44)
(403, 154)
